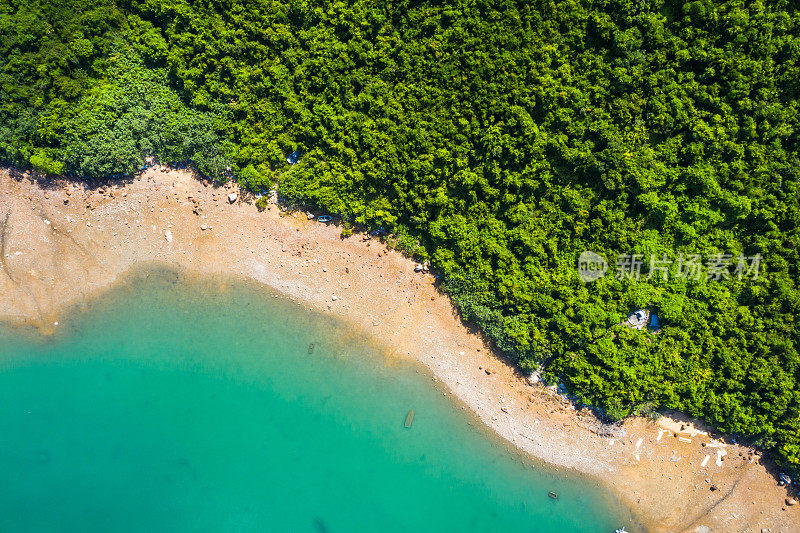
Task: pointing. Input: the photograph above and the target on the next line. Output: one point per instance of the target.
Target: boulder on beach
(232, 197)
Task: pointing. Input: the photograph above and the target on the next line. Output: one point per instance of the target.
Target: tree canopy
(499, 139)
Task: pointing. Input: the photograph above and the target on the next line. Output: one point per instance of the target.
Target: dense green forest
(497, 138)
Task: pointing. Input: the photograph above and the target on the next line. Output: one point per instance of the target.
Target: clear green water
(177, 405)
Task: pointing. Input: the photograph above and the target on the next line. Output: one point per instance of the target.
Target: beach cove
(63, 244)
(181, 403)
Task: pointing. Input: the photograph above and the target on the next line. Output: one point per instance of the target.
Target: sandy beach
(64, 242)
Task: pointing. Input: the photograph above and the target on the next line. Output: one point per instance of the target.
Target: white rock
(203, 227)
(168, 236)
(232, 197)
(310, 216)
(334, 298)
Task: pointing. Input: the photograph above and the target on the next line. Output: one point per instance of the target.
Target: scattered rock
(168, 236)
(334, 298)
(232, 197)
(488, 371)
(311, 216)
(203, 227)
(791, 501)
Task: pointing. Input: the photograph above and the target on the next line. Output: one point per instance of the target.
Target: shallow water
(172, 404)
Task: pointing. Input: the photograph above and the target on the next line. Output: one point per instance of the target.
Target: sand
(63, 243)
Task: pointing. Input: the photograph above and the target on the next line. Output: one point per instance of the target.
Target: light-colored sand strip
(74, 241)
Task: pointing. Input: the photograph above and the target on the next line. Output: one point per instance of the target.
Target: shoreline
(377, 352)
(63, 243)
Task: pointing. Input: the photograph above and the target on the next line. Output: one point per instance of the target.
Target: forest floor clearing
(63, 243)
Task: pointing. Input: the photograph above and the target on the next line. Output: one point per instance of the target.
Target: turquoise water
(177, 405)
